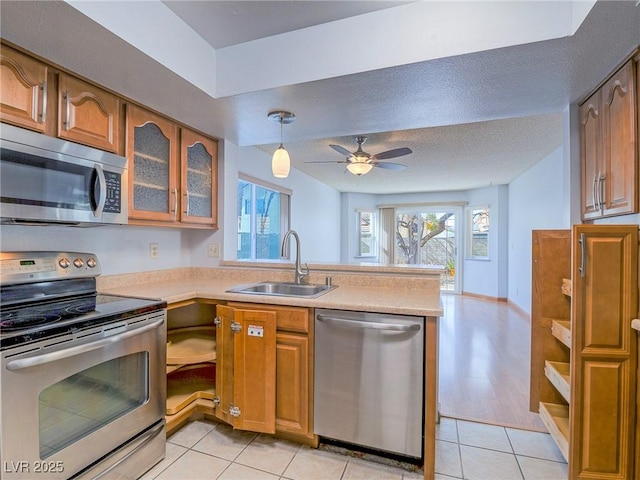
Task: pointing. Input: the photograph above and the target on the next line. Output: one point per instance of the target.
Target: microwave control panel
(114, 190)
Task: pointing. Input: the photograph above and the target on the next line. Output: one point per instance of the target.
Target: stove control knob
(91, 262)
(64, 262)
(78, 262)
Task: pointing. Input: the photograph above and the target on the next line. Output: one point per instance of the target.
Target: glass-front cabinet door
(199, 159)
(152, 143)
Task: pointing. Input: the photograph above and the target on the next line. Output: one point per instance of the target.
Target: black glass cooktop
(26, 323)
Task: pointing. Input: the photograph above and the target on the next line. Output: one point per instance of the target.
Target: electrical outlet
(154, 250)
(213, 250)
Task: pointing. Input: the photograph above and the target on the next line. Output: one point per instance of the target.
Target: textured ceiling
(472, 120)
(224, 23)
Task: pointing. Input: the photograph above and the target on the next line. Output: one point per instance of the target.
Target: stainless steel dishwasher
(369, 380)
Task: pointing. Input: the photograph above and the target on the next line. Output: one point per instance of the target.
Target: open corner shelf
(561, 329)
(556, 419)
(191, 345)
(188, 384)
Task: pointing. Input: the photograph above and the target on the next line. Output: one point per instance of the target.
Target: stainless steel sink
(283, 289)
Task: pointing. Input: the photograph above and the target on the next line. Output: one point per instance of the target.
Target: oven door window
(89, 400)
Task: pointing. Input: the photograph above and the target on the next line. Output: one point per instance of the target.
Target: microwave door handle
(21, 363)
(102, 191)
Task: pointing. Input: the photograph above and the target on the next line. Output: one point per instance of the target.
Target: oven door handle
(21, 363)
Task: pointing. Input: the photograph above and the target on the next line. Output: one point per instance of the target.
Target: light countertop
(369, 291)
(636, 324)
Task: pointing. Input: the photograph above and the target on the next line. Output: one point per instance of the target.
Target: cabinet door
(246, 372)
(198, 179)
(603, 353)
(87, 114)
(619, 194)
(23, 96)
(292, 384)
(152, 152)
(590, 155)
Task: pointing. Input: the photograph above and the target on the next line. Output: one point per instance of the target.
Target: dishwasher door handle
(347, 322)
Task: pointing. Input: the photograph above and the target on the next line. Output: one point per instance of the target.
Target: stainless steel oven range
(83, 388)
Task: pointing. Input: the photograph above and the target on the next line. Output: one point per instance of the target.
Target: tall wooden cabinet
(584, 352)
(609, 146)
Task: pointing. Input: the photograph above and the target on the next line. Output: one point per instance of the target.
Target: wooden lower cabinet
(292, 384)
(293, 371)
(248, 365)
(585, 367)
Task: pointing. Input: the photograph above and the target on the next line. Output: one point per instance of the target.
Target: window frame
(471, 230)
(285, 214)
(373, 233)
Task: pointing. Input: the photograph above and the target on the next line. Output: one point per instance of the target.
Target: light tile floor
(464, 450)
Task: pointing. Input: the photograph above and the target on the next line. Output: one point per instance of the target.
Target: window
(478, 233)
(366, 233)
(263, 218)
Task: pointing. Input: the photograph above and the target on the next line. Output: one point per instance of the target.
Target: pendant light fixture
(281, 163)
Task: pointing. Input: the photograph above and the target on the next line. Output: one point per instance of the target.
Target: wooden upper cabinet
(620, 142)
(23, 96)
(152, 150)
(88, 114)
(198, 178)
(609, 147)
(591, 155)
(604, 352)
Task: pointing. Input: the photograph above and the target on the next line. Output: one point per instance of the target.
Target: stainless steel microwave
(48, 180)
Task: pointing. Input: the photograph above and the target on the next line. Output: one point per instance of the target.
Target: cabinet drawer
(293, 319)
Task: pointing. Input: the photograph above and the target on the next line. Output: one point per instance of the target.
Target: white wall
(535, 202)
(481, 277)
(315, 207)
(125, 248)
(120, 249)
(488, 277)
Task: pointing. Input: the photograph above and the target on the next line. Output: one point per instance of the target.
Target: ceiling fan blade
(397, 152)
(341, 150)
(390, 166)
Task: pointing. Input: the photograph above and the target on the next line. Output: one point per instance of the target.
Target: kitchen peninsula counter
(363, 288)
(407, 291)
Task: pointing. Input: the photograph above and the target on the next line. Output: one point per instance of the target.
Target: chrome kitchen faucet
(302, 275)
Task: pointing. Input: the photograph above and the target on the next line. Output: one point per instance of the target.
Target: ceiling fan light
(280, 163)
(359, 168)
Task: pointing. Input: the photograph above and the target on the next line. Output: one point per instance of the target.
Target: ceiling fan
(361, 162)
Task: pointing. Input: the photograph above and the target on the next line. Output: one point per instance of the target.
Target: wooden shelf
(558, 375)
(561, 329)
(188, 384)
(191, 345)
(556, 419)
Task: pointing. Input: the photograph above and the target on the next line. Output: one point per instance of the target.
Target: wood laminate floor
(484, 363)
